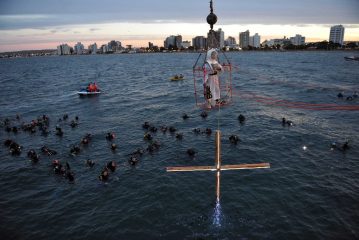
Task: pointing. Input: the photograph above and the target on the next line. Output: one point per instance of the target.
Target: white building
(63, 49)
(79, 48)
(93, 48)
(278, 41)
(336, 34)
(297, 40)
(255, 41)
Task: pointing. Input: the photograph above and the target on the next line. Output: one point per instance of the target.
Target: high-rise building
(199, 43)
(178, 40)
(230, 41)
(114, 46)
(63, 49)
(336, 34)
(104, 48)
(173, 42)
(244, 39)
(220, 37)
(150, 45)
(215, 39)
(297, 40)
(254, 41)
(79, 48)
(92, 48)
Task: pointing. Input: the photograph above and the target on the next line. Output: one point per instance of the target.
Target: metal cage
(225, 80)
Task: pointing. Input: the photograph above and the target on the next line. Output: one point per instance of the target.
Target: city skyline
(43, 24)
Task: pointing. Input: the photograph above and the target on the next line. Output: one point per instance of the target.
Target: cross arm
(245, 166)
(190, 169)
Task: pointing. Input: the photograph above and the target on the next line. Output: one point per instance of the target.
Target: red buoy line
(296, 105)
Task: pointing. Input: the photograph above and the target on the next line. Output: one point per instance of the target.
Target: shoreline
(51, 52)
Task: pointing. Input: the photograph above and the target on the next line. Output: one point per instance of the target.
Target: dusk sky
(44, 24)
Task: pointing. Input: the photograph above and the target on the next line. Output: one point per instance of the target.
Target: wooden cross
(218, 167)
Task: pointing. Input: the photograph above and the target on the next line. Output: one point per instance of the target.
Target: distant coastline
(53, 52)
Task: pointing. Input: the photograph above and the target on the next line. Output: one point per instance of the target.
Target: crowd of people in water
(349, 97)
(42, 124)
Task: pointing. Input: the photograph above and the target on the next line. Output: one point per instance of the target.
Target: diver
(153, 129)
(111, 165)
(241, 118)
(185, 116)
(104, 175)
(204, 114)
(191, 152)
(341, 147)
(163, 129)
(234, 139)
(74, 123)
(33, 156)
(113, 146)
(133, 160)
(147, 137)
(90, 163)
(146, 125)
(75, 150)
(110, 136)
(208, 131)
(48, 151)
(58, 168)
(179, 136)
(172, 129)
(59, 131)
(197, 130)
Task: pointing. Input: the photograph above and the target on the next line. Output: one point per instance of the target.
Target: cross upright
(217, 166)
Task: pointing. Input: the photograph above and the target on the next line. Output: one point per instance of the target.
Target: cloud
(20, 14)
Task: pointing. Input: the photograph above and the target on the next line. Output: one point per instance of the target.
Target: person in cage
(211, 80)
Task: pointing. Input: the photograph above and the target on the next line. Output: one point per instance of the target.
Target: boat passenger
(95, 88)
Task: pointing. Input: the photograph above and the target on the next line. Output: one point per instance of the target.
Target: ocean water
(308, 193)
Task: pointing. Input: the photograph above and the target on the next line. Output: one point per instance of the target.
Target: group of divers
(348, 98)
(42, 124)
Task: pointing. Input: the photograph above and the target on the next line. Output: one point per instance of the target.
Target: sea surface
(310, 191)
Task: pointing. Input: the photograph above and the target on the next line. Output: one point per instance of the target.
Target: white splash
(217, 215)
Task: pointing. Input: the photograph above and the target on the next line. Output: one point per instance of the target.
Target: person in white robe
(212, 70)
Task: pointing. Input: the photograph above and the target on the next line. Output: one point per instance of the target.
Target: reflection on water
(217, 214)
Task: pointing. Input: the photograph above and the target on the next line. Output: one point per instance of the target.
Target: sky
(44, 24)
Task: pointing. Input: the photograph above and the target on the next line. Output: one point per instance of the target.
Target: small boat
(352, 58)
(84, 92)
(177, 78)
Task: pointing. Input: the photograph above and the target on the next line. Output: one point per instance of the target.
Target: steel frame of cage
(225, 82)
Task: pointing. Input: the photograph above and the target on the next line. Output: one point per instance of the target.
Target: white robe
(212, 80)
